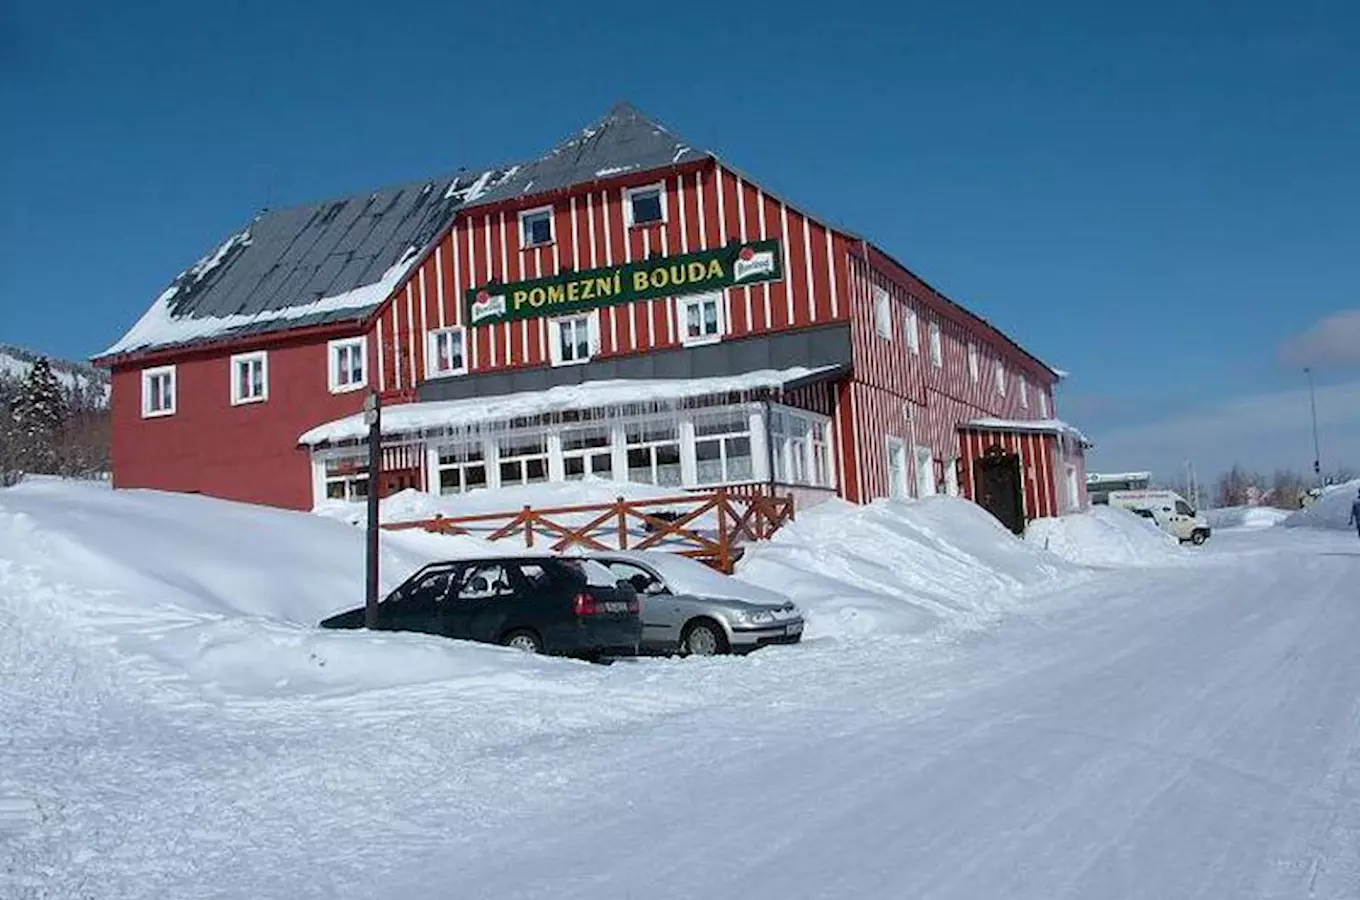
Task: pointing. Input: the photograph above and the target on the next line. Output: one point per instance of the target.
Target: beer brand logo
(487, 306)
(750, 263)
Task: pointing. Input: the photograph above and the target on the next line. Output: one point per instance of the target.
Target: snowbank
(895, 567)
(1331, 510)
(1105, 536)
(1245, 517)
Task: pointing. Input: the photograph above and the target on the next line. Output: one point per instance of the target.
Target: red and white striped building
(625, 307)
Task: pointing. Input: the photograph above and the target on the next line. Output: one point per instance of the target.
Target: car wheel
(526, 641)
(703, 637)
(1198, 538)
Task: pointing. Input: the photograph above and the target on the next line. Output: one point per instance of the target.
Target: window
(572, 340)
(1000, 378)
(524, 459)
(936, 349)
(1024, 392)
(882, 313)
(913, 327)
(587, 452)
(722, 448)
(645, 205)
(702, 315)
(791, 437)
(447, 353)
(249, 378)
(1183, 508)
(536, 226)
(925, 472)
(821, 454)
(462, 468)
(897, 469)
(348, 365)
(653, 450)
(485, 582)
(158, 392)
(951, 477)
(1043, 404)
(974, 367)
(346, 478)
(642, 580)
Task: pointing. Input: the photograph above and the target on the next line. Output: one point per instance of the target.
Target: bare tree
(1238, 487)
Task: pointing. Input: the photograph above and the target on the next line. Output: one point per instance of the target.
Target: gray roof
(624, 141)
(338, 260)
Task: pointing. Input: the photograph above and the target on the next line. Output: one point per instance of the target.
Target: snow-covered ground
(989, 721)
(1244, 517)
(1331, 510)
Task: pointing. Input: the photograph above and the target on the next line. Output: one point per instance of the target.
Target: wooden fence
(709, 527)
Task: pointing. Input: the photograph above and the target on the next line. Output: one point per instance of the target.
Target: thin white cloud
(1334, 342)
(1264, 432)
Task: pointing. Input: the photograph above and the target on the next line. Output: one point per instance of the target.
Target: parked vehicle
(541, 604)
(1172, 513)
(692, 609)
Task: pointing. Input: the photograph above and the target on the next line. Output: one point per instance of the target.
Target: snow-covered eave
(450, 416)
(1029, 426)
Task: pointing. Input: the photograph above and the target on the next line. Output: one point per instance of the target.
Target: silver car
(692, 609)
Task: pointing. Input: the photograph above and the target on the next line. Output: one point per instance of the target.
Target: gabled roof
(316, 264)
(624, 141)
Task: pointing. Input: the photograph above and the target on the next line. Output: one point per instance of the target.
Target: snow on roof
(1034, 426)
(160, 327)
(471, 412)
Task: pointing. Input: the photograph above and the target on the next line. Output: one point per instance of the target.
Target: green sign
(664, 276)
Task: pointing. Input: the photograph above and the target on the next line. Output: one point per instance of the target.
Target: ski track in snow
(1183, 731)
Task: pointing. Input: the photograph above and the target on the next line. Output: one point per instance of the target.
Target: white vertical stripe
(784, 252)
(765, 288)
(667, 305)
(439, 281)
(382, 375)
(722, 240)
(411, 334)
(741, 225)
(575, 246)
(807, 263)
(608, 261)
(424, 328)
(649, 307)
(680, 201)
(627, 258)
(490, 329)
(507, 328)
(831, 272)
(590, 224)
(472, 283)
(542, 320)
(396, 345)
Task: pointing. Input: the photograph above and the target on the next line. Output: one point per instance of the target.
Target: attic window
(646, 205)
(536, 226)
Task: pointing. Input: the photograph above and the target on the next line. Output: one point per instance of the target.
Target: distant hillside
(85, 385)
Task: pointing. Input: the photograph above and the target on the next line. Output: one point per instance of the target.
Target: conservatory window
(821, 454)
(524, 459)
(586, 451)
(791, 438)
(722, 448)
(702, 317)
(346, 478)
(653, 450)
(462, 468)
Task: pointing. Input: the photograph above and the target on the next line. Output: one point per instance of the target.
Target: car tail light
(585, 605)
(634, 605)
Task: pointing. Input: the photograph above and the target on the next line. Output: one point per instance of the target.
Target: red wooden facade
(913, 390)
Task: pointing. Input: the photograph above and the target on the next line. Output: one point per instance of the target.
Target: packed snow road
(1189, 727)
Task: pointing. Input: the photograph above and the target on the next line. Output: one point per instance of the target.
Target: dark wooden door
(999, 487)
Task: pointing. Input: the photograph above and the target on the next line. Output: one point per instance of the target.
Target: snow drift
(1245, 517)
(1104, 536)
(899, 567)
(1331, 510)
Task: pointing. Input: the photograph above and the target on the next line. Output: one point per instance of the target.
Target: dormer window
(536, 226)
(645, 205)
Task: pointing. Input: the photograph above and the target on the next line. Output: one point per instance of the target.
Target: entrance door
(999, 487)
(897, 469)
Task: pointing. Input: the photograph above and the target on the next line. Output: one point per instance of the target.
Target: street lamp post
(1312, 403)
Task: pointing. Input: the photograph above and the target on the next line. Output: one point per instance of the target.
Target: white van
(1172, 513)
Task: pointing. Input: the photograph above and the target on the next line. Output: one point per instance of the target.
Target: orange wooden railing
(709, 527)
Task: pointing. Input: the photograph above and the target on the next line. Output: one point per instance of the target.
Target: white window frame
(432, 369)
(1000, 376)
(245, 359)
(913, 327)
(524, 242)
(682, 305)
(883, 313)
(651, 446)
(350, 479)
(332, 348)
(1043, 403)
(172, 379)
(592, 320)
(628, 193)
(723, 438)
(923, 463)
(1024, 392)
(460, 464)
(897, 490)
(936, 346)
(974, 362)
(541, 436)
(587, 455)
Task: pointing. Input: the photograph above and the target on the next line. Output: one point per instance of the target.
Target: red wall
(247, 452)
(706, 207)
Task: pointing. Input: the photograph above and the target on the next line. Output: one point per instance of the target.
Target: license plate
(616, 606)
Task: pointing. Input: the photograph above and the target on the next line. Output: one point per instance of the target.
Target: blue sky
(1162, 200)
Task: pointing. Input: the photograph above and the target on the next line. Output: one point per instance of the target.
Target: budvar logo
(749, 263)
(486, 306)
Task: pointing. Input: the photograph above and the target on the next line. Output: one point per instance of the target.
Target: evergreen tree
(41, 407)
